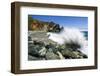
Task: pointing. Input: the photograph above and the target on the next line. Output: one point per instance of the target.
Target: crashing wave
(72, 37)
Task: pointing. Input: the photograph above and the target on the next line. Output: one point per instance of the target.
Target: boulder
(51, 56)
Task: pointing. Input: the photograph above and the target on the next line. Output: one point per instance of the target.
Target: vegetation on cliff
(37, 25)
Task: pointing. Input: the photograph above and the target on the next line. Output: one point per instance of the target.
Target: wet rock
(73, 54)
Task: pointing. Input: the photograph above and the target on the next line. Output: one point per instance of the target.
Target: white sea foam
(69, 35)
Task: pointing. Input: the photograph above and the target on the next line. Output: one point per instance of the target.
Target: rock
(60, 55)
(37, 25)
(34, 58)
(41, 36)
(77, 54)
(68, 54)
(73, 54)
(29, 38)
(43, 51)
(40, 47)
(82, 55)
(32, 49)
(51, 56)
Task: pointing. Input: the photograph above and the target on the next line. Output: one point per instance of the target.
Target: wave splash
(70, 36)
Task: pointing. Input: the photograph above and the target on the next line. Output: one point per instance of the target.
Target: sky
(65, 21)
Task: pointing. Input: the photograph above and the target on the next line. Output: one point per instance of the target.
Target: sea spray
(71, 36)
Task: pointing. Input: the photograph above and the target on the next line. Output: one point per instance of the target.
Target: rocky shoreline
(40, 47)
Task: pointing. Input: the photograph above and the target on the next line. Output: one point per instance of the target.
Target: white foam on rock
(70, 35)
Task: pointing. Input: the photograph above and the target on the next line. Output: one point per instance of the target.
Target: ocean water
(85, 34)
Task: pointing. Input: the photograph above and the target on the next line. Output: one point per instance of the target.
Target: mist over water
(68, 35)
